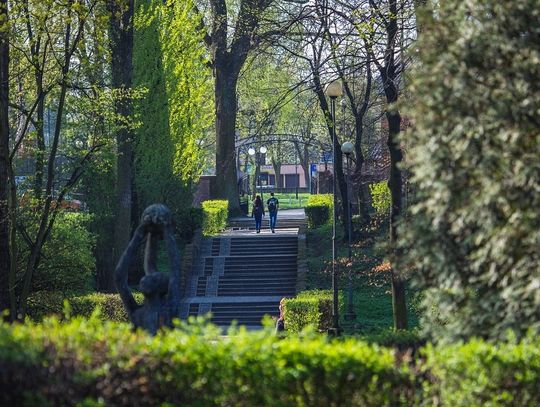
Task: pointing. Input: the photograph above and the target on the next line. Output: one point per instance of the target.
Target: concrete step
(262, 249)
(260, 293)
(257, 237)
(257, 265)
(255, 285)
(258, 277)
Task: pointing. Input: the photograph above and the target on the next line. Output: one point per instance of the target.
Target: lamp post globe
(251, 151)
(263, 150)
(334, 89)
(347, 147)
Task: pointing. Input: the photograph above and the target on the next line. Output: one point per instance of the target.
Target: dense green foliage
(215, 215)
(380, 197)
(319, 209)
(46, 303)
(169, 62)
(90, 362)
(482, 374)
(309, 309)
(475, 228)
(65, 364)
(68, 262)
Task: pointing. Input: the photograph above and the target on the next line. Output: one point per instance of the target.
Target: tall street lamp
(258, 155)
(347, 148)
(333, 91)
(296, 182)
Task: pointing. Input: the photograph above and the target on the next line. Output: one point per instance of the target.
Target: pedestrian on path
(258, 212)
(273, 206)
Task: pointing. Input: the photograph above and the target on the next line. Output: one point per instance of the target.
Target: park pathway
(240, 275)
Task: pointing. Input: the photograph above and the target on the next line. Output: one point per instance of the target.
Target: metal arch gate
(247, 142)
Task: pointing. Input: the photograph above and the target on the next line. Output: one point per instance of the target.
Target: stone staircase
(241, 276)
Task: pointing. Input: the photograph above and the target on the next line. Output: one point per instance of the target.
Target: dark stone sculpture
(161, 292)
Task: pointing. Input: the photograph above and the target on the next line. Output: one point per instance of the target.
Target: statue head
(156, 218)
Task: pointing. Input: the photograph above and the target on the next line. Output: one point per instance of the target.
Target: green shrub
(397, 339)
(478, 374)
(380, 197)
(311, 308)
(67, 261)
(46, 303)
(215, 214)
(319, 209)
(187, 222)
(109, 363)
(474, 231)
(92, 362)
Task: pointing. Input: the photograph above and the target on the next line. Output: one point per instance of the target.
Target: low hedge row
(215, 215)
(319, 209)
(312, 309)
(45, 303)
(89, 362)
(484, 374)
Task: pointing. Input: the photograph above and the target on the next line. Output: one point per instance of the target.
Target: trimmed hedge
(45, 303)
(319, 209)
(478, 374)
(309, 309)
(215, 215)
(88, 362)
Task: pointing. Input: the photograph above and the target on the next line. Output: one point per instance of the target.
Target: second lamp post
(347, 148)
(333, 91)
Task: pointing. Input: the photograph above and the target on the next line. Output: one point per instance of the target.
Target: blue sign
(313, 168)
(327, 156)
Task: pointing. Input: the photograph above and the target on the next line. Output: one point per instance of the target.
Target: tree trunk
(5, 255)
(12, 209)
(225, 107)
(390, 79)
(277, 171)
(399, 304)
(40, 137)
(304, 160)
(357, 176)
(121, 32)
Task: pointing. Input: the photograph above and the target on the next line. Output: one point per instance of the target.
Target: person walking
(258, 212)
(273, 206)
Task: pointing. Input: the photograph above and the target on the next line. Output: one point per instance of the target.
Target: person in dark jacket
(273, 206)
(258, 212)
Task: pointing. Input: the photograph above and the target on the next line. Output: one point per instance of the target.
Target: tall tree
(5, 255)
(229, 49)
(121, 37)
(65, 23)
(390, 70)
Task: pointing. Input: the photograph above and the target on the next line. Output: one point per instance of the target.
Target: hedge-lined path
(241, 275)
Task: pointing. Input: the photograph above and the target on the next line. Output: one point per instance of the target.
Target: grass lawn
(289, 201)
(372, 300)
